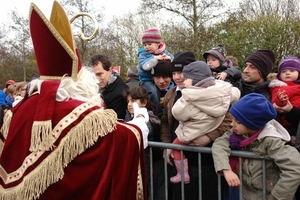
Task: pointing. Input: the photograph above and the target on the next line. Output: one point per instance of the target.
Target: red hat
(151, 35)
(56, 56)
(10, 82)
(53, 43)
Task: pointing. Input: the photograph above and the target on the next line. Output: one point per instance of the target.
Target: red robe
(88, 155)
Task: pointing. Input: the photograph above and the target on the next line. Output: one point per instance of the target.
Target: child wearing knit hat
(154, 50)
(287, 87)
(221, 67)
(254, 129)
(201, 108)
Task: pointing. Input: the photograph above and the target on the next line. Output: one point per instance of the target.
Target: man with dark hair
(163, 82)
(257, 67)
(110, 83)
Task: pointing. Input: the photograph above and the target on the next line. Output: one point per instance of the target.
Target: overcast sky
(112, 7)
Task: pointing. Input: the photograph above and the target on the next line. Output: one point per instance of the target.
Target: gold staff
(96, 26)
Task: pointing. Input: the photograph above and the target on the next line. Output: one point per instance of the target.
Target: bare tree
(19, 49)
(284, 8)
(84, 24)
(194, 25)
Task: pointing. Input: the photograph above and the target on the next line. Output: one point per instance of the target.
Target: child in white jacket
(201, 109)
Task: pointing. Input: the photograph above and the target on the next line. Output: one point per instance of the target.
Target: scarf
(236, 142)
(114, 75)
(161, 48)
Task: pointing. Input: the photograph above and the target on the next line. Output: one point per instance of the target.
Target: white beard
(84, 89)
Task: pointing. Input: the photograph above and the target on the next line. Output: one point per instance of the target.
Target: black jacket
(113, 97)
(262, 88)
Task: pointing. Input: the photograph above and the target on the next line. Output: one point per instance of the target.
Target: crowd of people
(87, 117)
(10, 95)
(261, 115)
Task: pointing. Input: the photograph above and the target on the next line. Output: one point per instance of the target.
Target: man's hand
(169, 156)
(284, 109)
(200, 141)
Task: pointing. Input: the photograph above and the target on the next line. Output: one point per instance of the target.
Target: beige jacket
(201, 110)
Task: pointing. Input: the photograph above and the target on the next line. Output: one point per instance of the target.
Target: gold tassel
(6, 123)
(1, 147)
(39, 133)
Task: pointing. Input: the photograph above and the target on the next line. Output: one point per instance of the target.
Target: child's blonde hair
(19, 87)
(233, 59)
(11, 89)
(272, 76)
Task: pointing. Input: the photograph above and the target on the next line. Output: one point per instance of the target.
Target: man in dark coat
(110, 83)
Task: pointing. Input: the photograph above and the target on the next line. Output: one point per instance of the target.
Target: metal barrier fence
(200, 151)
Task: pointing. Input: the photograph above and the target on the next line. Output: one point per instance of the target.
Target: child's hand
(166, 57)
(159, 57)
(162, 57)
(221, 76)
(282, 96)
(231, 178)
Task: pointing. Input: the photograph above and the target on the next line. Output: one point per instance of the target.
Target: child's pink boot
(177, 178)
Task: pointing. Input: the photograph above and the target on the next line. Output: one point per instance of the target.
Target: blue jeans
(231, 193)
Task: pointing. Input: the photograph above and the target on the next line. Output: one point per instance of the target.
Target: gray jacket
(283, 172)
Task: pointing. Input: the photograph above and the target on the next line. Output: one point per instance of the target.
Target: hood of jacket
(274, 129)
